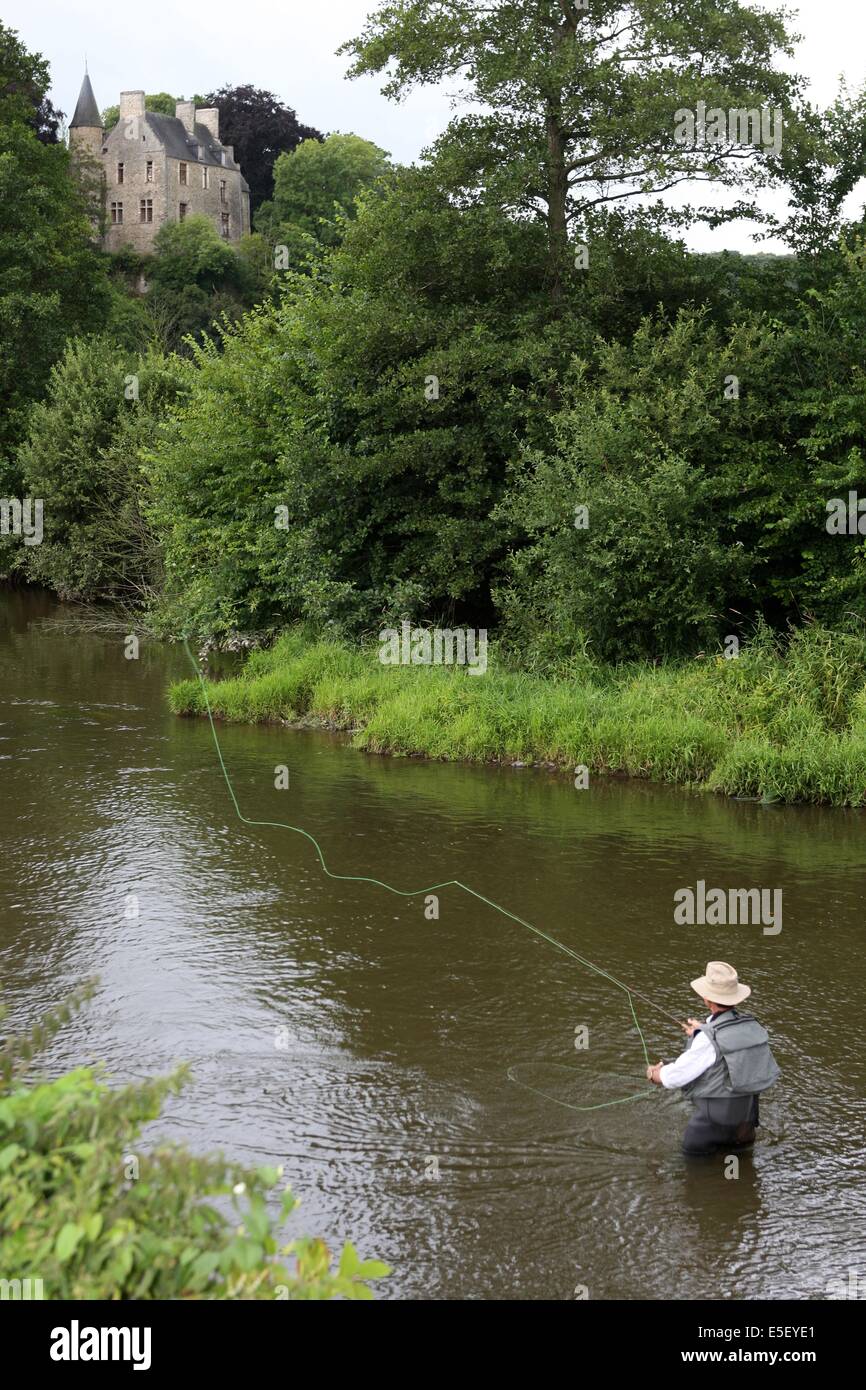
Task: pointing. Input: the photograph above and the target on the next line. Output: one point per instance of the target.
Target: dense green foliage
(315, 190)
(90, 1212)
(381, 402)
(82, 453)
(705, 508)
(430, 435)
(320, 405)
(785, 720)
(52, 285)
(196, 278)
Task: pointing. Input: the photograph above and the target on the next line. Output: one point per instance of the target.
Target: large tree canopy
(577, 106)
(261, 127)
(317, 184)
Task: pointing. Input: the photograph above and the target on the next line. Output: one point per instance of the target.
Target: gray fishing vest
(744, 1064)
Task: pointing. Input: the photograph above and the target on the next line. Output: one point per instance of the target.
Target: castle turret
(85, 128)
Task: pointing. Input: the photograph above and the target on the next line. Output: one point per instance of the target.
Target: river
(414, 1076)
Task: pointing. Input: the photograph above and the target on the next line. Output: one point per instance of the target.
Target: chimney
(131, 105)
(230, 153)
(210, 117)
(185, 112)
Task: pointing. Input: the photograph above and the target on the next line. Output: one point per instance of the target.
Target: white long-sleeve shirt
(690, 1064)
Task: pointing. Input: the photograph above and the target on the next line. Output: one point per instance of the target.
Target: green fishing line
(421, 892)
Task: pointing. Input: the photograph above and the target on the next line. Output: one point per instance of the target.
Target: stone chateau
(160, 169)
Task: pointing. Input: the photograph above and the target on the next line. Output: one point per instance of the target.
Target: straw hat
(720, 984)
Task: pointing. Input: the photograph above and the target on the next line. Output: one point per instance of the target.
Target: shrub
(706, 457)
(82, 457)
(92, 1218)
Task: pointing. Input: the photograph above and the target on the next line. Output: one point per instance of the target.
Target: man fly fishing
(726, 1065)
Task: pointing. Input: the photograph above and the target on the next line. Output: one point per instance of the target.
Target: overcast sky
(289, 48)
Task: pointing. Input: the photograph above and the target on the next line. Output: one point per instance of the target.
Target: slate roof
(178, 143)
(86, 110)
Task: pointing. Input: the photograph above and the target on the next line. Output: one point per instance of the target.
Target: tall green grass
(785, 721)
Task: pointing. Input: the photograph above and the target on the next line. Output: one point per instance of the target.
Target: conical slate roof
(86, 110)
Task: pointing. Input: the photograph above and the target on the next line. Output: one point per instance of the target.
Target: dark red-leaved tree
(260, 127)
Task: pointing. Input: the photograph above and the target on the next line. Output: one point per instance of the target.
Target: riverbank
(782, 722)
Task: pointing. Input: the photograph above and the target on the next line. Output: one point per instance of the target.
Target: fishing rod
(658, 1007)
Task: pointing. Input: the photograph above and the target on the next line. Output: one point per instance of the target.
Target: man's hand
(652, 1074)
(690, 1026)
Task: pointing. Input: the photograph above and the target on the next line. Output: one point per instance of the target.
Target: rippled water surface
(334, 1029)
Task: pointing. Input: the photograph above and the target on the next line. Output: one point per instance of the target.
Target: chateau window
(205, 176)
(223, 198)
(117, 214)
(148, 171)
(120, 172)
(145, 210)
(181, 212)
(224, 225)
(182, 173)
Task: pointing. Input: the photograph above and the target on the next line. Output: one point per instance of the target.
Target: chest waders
(725, 1096)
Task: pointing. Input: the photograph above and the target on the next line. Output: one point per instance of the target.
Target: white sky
(288, 47)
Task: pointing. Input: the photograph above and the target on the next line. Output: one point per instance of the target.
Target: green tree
(378, 404)
(316, 187)
(822, 160)
(195, 278)
(52, 281)
(81, 456)
(706, 456)
(577, 105)
(192, 253)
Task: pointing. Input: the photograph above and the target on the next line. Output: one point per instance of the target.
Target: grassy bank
(784, 721)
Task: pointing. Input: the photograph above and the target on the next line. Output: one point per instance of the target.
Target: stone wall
(133, 143)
